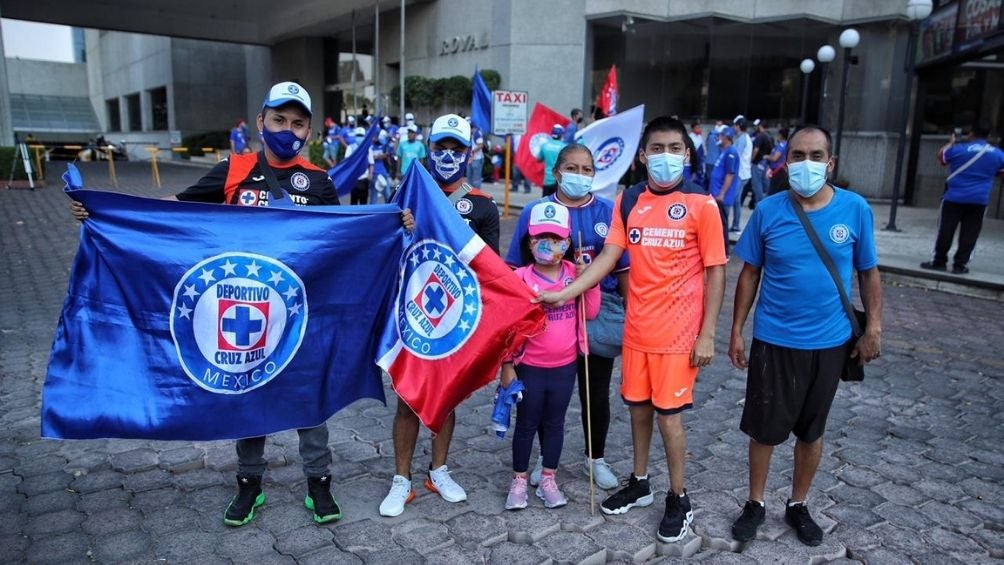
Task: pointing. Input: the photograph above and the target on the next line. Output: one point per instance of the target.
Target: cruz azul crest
(439, 306)
(237, 320)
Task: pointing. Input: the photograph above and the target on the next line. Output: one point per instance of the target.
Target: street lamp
(825, 56)
(806, 67)
(916, 10)
(848, 40)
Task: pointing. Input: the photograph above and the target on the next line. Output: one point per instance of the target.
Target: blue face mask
(807, 177)
(665, 169)
(448, 166)
(575, 186)
(283, 143)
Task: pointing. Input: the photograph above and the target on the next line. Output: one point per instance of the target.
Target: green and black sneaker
(240, 511)
(319, 500)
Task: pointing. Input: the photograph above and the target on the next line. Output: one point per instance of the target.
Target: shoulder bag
(853, 370)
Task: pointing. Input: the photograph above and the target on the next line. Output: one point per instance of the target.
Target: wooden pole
(589, 415)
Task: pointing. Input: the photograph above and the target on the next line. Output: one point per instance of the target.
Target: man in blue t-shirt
(973, 165)
(724, 184)
(409, 149)
(801, 332)
(572, 127)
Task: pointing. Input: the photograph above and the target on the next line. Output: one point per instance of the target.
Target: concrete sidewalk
(900, 252)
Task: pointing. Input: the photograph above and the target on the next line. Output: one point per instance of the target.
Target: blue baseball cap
(557, 129)
(286, 92)
(728, 132)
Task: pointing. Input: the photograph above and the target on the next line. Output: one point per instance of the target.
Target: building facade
(701, 60)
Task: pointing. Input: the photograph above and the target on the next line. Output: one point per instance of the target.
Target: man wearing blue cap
(548, 153)
(724, 177)
(284, 126)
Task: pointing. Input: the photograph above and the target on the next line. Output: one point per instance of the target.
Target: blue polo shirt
(973, 185)
(592, 220)
(799, 306)
(728, 162)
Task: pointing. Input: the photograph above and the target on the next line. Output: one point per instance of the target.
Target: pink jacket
(565, 335)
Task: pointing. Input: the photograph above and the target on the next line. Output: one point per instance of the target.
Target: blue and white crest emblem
(439, 305)
(300, 181)
(634, 235)
(237, 320)
(840, 233)
(608, 153)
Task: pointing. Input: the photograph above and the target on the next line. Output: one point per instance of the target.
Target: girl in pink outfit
(547, 365)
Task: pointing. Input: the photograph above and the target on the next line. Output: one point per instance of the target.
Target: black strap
(270, 179)
(828, 262)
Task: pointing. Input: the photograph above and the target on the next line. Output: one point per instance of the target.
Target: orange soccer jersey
(671, 237)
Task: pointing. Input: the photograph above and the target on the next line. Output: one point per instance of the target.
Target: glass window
(114, 116)
(158, 106)
(711, 67)
(134, 112)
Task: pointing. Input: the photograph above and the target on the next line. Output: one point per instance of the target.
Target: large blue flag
(481, 104)
(345, 174)
(204, 321)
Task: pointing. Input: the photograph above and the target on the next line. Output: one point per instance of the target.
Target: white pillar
(6, 121)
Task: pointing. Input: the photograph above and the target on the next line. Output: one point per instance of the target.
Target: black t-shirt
(239, 181)
(764, 146)
(481, 213)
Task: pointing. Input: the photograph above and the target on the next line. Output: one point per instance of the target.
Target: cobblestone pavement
(912, 470)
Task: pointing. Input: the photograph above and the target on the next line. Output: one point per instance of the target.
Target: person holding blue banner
(449, 154)
(284, 124)
(590, 221)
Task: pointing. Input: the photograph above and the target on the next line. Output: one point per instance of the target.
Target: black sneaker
(677, 517)
(960, 270)
(319, 500)
(797, 516)
(240, 511)
(745, 526)
(932, 266)
(636, 493)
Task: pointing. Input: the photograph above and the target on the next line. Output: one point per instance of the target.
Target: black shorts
(790, 391)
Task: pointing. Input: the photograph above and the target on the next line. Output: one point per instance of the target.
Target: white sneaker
(602, 474)
(537, 470)
(399, 495)
(440, 481)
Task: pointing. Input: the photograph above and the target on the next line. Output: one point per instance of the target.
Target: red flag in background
(607, 100)
(538, 130)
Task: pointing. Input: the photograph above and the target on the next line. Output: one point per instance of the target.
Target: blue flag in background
(203, 321)
(345, 174)
(481, 104)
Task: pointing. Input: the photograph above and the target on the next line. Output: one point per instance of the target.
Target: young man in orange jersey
(673, 231)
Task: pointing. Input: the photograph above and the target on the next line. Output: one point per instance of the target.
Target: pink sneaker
(549, 492)
(517, 494)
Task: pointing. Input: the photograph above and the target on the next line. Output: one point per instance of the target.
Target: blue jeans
(759, 181)
(376, 192)
(475, 171)
(737, 204)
